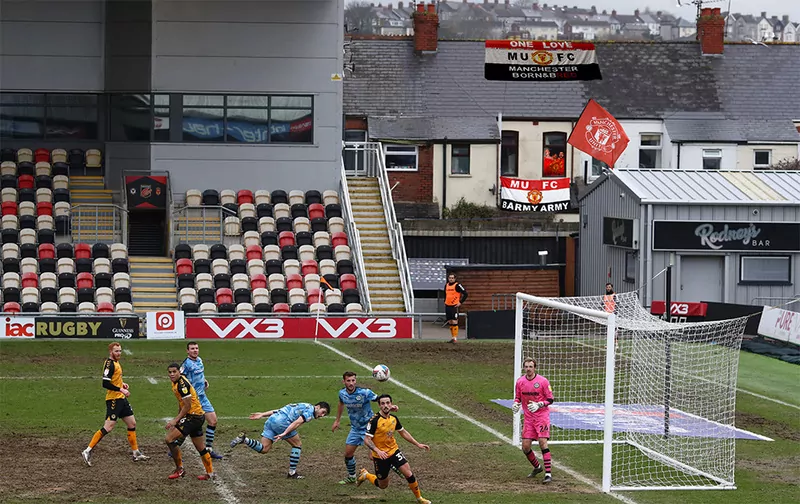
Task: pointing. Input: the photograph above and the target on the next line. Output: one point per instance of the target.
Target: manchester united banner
(545, 60)
(599, 134)
(520, 195)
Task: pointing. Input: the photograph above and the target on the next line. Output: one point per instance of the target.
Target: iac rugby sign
(528, 60)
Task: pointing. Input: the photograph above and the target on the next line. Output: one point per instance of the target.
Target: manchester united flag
(598, 134)
(520, 195)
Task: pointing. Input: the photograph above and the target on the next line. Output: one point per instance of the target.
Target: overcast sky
(754, 7)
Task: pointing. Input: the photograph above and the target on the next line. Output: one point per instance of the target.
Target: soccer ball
(381, 372)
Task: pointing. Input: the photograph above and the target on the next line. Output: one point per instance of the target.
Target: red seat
(294, 281)
(41, 155)
(85, 281)
(105, 307)
(47, 251)
(315, 296)
(12, 307)
(258, 281)
(279, 308)
(30, 280)
(347, 281)
(285, 238)
(9, 208)
(184, 266)
(309, 267)
(244, 196)
(254, 252)
(224, 296)
(25, 181)
(316, 210)
(44, 208)
(338, 239)
(83, 251)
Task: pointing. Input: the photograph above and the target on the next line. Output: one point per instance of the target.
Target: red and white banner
(599, 134)
(678, 309)
(291, 328)
(780, 324)
(546, 60)
(520, 195)
(165, 325)
(18, 328)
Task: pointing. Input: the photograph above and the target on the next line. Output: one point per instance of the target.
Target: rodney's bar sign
(726, 236)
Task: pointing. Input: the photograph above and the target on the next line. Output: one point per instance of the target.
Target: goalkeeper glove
(516, 407)
(533, 407)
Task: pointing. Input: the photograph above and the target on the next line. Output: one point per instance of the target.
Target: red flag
(598, 134)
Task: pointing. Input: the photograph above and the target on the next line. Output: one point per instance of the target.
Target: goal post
(659, 396)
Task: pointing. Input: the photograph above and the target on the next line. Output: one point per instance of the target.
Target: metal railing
(369, 158)
(787, 303)
(355, 242)
(185, 218)
(85, 227)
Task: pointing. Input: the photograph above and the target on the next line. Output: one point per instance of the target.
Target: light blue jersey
(281, 419)
(359, 410)
(195, 372)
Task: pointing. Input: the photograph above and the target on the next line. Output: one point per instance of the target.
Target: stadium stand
(282, 252)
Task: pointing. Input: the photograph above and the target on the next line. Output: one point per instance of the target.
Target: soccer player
(385, 452)
(454, 295)
(188, 422)
(357, 400)
(282, 424)
(117, 405)
(193, 369)
(533, 393)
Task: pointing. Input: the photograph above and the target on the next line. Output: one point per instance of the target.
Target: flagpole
(499, 157)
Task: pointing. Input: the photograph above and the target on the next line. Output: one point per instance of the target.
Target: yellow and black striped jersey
(182, 389)
(112, 371)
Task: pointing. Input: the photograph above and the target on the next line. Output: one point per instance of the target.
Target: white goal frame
(610, 320)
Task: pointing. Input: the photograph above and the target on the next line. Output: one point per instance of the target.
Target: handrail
(177, 214)
(359, 267)
(79, 234)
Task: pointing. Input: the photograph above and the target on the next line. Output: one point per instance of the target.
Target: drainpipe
(679, 156)
(444, 174)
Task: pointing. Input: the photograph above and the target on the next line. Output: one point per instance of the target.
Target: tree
(787, 164)
(359, 17)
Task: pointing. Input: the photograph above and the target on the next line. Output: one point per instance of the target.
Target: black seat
(186, 281)
(29, 195)
(206, 295)
(183, 251)
(289, 252)
(284, 224)
(76, 160)
(84, 265)
(344, 267)
(10, 236)
(26, 168)
(249, 224)
(274, 266)
(238, 266)
(279, 196)
(60, 169)
(241, 296)
(333, 210)
(48, 295)
(86, 295)
(100, 250)
(11, 265)
(66, 280)
(211, 197)
(68, 307)
(262, 209)
(278, 296)
(335, 308)
(8, 181)
(27, 222)
(299, 308)
(218, 251)
(226, 308)
(326, 252)
(60, 195)
(122, 295)
(64, 250)
(299, 210)
(27, 249)
(313, 196)
(263, 308)
(269, 238)
(350, 296)
(44, 182)
(47, 265)
(202, 266)
(103, 280)
(120, 265)
(190, 307)
(304, 238)
(222, 281)
(319, 224)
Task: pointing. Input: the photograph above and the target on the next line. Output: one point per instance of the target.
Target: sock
(413, 484)
(532, 459)
(351, 466)
(97, 437)
(179, 441)
(178, 458)
(207, 461)
(210, 435)
(547, 460)
(132, 439)
(252, 443)
(294, 459)
(454, 331)
(372, 478)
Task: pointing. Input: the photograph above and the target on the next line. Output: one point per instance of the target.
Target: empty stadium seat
(235, 252)
(309, 267)
(58, 156)
(258, 281)
(255, 267)
(194, 197)
(333, 296)
(233, 226)
(281, 308)
(280, 210)
(182, 251)
(311, 281)
(354, 308)
(264, 224)
(86, 307)
(251, 239)
(124, 307)
(333, 210)
(313, 197)
(200, 251)
(11, 307)
(184, 266)
(294, 281)
(244, 196)
(93, 158)
(279, 196)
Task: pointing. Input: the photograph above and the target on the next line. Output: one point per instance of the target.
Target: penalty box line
(583, 479)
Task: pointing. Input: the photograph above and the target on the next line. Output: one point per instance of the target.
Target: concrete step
(150, 260)
(167, 289)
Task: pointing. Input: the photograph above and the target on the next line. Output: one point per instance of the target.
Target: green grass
(45, 422)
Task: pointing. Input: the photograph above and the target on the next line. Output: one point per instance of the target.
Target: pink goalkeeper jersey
(536, 390)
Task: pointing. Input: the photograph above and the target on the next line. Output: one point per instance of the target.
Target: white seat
(260, 296)
(247, 210)
(27, 236)
(26, 208)
(327, 267)
(44, 195)
(255, 267)
(104, 295)
(48, 281)
(220, 267)
(200, 251)
(306, 253)
(62, 209)
(317, 308)
(207, 308)
(66, 265)
(66, 295)
(272, 252)
(8, 194)
(44, 222)
(262, 196)
(297, 296)
(240, 281)
(42, 168)
(321, 238)
(10, 251)
(93, 158)
(235, 252)
(187, 295)
(203, 281)
(60, 182)
(86, 307)
(58, 156)
(49, 307)
(227, 197)
(122, 281)
(244, 308)
(333, 296)
(102, 265)
(342, 253)
(281, 210)
(252, 238)
(118, 251)
(8, 168)
(233, 226)
(302, 225)
(10, 222)
(29, 265)
(194, 197)
(311, 281)
(354, 308)
(11, 280)
(291, 267)
(330, 198)
(336, 225)
(266, 224)
(276, 281)
(297, 197)
(124, 307)
(30, 295)
(24, 155)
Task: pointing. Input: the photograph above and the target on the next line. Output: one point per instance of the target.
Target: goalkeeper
(533, 395)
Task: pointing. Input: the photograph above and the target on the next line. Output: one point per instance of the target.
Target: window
(650, 150)
(598, 167)
(766, 270)
(400, 157)
(554, 155)
(509, 154)
(630, 267)
(46, 116)
(138, 118)
(762, 158)
(712, 159)
(459, 159)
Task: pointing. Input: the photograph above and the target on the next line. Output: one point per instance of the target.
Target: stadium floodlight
(661, 402)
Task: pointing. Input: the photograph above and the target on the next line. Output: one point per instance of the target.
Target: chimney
(594, 9)
(636, 13)
(785, 20)
(399, 5)
(711, 31)
(613, 13)
(658, 13)
(389, 6)
(426, 29)
(763, 14)
(508, 2)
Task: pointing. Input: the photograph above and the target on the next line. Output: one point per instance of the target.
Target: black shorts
(118, 408)
(191, 425)
(383, 466)
(451, 313)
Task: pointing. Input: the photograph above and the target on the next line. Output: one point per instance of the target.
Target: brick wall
(481, 282)
(418, 185)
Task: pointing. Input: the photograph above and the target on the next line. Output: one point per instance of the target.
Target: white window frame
(712, 154)
(659, 148)
(743, 259)
(769, 162)
(401, 150)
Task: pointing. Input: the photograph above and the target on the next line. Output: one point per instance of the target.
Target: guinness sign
(715, 236)
(123, 327)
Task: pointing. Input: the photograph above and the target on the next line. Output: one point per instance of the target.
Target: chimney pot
(431, 8)
(420, 7)
(426, 28)
(763, 14)
(613, 12)
(711, 31)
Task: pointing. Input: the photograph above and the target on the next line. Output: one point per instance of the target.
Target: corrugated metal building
(734, 236)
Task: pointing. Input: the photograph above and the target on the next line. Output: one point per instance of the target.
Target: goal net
(659, 396)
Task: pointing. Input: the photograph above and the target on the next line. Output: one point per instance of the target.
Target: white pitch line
(219, 485)
(583, 479)
(152, 380)
(224, 377)
(126, 351)
(420, 417)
